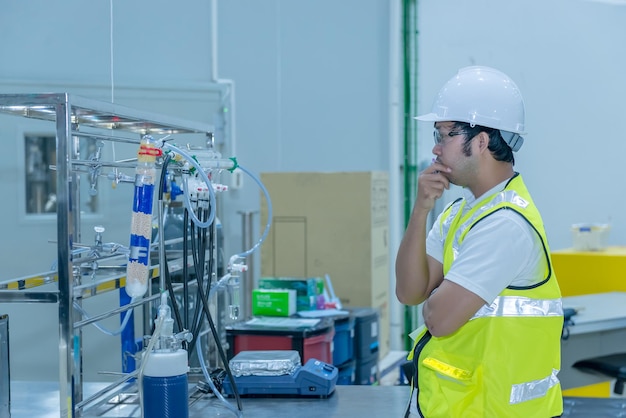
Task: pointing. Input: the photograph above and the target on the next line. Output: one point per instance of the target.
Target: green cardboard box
(307, 289)
(273, 302)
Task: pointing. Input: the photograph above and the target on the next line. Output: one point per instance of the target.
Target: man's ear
(483, 141)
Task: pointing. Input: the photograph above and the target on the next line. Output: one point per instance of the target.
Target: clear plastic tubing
(138, 267)
(234, 292)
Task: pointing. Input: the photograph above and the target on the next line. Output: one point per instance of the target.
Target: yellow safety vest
(503, 362)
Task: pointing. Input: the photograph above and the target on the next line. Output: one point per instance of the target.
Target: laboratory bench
(598, 328)
(41, 400)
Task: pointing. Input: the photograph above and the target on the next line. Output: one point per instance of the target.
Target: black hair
(499, 149)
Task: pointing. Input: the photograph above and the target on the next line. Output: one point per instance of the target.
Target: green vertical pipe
(410, 57)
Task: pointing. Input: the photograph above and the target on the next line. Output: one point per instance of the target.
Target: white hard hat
(481, 96)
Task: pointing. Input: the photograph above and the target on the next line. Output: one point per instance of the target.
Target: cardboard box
(335, 224)
(306, 288)
(273, 302)
(587, 272)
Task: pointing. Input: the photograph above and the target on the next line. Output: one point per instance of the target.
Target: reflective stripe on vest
(505, 196)
(509, 306)
(523, 392)
(521, 307)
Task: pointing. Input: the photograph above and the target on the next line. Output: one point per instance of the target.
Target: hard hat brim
(429, 117)
(433, 117)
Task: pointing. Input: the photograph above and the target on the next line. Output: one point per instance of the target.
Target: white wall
(566, 57)
(312, 85)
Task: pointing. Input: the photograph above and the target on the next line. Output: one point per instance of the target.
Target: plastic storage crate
(347, 373)
(366, 336)
(343, 342)
(311, 342)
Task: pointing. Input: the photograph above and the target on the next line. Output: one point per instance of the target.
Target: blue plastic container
(343, 341)
(165, 397)
(346, 373)
(366, 370)
(366, 328)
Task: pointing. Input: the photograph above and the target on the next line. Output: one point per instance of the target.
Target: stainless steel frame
(71, 113)
(5, 377)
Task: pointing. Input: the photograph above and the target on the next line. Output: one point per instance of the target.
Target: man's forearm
(412, 284)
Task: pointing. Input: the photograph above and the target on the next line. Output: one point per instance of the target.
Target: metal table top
(41, 400)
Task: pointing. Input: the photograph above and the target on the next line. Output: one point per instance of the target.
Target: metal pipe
(106, 137)
(105, 390)
(113, 312)
(68, 394)
(5, 372)
(248, 281)
(29, 297)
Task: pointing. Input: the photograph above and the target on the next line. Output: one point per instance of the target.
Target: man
(490, 344)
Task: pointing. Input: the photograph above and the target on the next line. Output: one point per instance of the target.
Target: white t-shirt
(499, 251)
